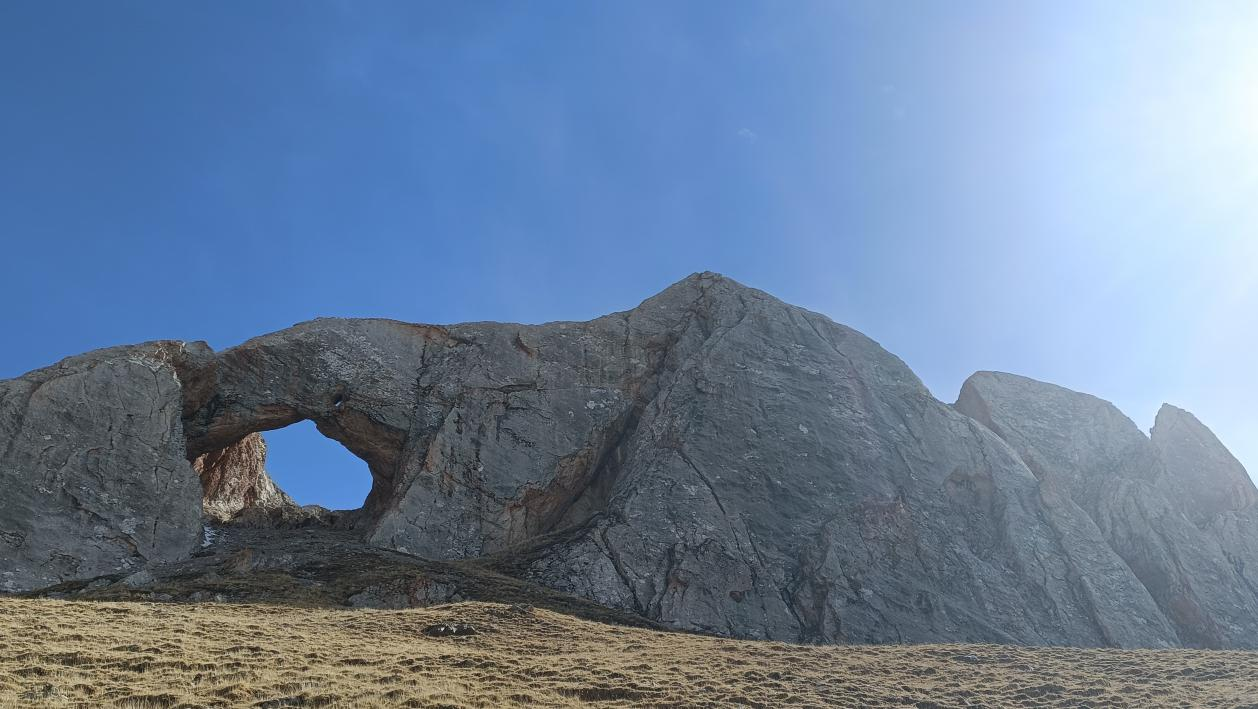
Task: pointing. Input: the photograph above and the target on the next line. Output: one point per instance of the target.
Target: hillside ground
(79, 653)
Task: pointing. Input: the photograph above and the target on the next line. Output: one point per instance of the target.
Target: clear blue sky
(1063, 190)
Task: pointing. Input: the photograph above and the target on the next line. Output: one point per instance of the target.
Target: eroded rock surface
(94, 476)
(1107, 467)
(713, 459)
(1203, 474)
(1213, 487)
(235, 478)
(321, 566)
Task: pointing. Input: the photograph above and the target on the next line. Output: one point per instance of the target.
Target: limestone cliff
(714, 460)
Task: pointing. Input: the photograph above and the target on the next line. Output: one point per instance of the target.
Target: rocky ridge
(712, 460)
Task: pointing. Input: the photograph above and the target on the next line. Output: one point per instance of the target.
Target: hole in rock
(314, 469)
(262, 479)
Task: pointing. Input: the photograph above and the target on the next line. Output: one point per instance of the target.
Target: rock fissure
(619, 566)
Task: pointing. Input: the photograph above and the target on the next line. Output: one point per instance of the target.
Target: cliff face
(1208, 480)
(1140, 495)
(93, 466)
(1213, 490)
(713, 459)
(234, 479)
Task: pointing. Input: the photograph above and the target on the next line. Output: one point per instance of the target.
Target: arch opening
(294, 475)
(316, 470)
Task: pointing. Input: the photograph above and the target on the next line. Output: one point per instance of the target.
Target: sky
(1065, 190)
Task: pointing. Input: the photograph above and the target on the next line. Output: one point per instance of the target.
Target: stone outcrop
(1106, 466)
(234, 479)
(319, 565)
(1203, 474)
(93, 466)
(713, 460)
(1213, 489)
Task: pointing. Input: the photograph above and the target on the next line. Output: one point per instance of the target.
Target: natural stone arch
(478, 437)
(713, 459)
(314, 372)
(234, 475)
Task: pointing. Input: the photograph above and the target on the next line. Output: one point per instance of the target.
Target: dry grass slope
(57, 653)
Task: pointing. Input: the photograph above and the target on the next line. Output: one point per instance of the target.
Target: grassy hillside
(58, 653)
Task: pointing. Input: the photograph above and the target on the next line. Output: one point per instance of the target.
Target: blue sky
(1063, 190)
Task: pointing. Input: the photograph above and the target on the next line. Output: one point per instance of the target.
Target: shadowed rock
(1215, 490)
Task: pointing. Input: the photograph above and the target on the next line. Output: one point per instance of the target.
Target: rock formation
(1204, 475)
(234, 479)
(1214, 491)
(93, 466)
(713, 460)
(1105, 465)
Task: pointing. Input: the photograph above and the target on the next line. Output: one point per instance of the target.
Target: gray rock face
(713, 459)
(1213, 489)
(791, 480)
(1203, 474)
(1141, 508)
(93, 467)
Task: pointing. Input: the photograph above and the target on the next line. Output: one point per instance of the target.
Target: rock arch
(713, 459)
(348, 377)
(478, 437)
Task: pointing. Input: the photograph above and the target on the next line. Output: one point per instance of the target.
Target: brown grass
(57, 653)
